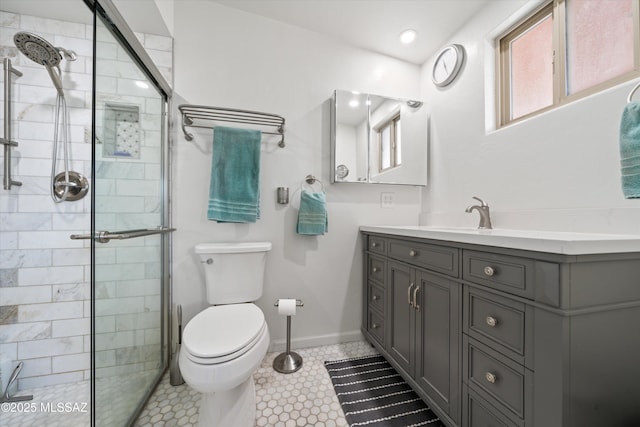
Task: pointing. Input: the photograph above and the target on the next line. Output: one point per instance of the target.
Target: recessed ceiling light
(407, 36)
(354, 103)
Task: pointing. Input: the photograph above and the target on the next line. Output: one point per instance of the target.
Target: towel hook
(310, 179)
(632, 92)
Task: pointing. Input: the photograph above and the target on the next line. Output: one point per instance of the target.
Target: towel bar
(635, 88)
(202, 116)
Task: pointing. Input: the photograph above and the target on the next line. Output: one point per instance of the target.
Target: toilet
(223, 345)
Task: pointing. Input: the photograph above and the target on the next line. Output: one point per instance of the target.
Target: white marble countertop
(531, 240)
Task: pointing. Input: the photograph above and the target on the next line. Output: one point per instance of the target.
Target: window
(565, 51)
(389, 143)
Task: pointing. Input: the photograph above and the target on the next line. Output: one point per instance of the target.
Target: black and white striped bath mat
(373, 394)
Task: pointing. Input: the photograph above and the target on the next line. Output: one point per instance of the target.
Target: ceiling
(372, 24)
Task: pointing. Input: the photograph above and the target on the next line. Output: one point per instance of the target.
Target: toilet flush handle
(208, 261)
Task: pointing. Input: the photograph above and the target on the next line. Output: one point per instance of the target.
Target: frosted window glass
(398, 143)
(532, 69)
(599, 42)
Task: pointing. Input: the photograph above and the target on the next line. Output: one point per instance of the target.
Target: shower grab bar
(106, 236)
(6, 141)
(201, 116)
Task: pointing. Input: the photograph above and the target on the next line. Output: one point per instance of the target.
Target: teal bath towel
(312, 216)
(630, 150)
(235, 175)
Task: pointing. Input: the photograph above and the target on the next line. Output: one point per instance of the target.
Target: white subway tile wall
(44, 275)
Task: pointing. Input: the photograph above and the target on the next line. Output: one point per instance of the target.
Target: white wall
(557, 171)
(235, 59)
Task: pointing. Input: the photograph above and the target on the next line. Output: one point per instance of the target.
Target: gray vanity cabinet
(421, 317)
(492, 336)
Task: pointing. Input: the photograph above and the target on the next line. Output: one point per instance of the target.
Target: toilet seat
(222, 333)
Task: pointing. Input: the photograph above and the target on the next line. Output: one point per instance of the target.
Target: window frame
(503, 81)
(392, 124)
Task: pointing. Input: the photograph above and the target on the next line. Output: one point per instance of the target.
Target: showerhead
(37, 49)
(41, 51)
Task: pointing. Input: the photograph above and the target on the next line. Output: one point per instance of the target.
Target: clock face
(447, 65)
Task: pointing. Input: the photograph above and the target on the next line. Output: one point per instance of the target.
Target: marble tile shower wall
(45, 276)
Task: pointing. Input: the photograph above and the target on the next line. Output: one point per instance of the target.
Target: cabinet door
(400, 318)
(437, 342)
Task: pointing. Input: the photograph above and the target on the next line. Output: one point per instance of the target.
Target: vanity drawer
(377, 245)
(506, 273)
(437, 258)
(505, 383)
(478, 413)
(376, 269)
(375, 326)
(499, 322)
(376, 297)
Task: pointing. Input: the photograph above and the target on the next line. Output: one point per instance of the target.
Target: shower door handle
(106, 236)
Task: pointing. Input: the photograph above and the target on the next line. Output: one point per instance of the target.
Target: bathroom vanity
(508, 328)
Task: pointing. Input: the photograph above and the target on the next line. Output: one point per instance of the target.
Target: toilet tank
(234, 272)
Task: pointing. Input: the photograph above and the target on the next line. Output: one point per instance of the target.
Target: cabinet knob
(375, 297)
(376, 269)
(491, 321)
(491, 377)
(413, 253)
(375, 326)
(374, 245)
(489, 271)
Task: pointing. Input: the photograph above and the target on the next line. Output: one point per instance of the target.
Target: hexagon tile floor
(303, 398)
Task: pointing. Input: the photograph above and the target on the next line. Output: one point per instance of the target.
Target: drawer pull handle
(374, 244)
(409, 294)
(413, 253)
(489, 271)
(415, 300)
(375, 326)
(492, 321)
(492, 378)
(375, 297)
(376, 269)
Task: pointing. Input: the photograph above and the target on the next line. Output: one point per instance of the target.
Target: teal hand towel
(235, 175)
(312, 216)
(630, 150)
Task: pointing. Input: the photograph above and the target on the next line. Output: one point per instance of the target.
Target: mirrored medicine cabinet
(377, 139)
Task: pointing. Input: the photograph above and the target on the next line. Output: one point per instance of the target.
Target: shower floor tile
(303, 398)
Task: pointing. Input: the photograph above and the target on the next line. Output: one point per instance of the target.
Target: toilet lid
(221, 330)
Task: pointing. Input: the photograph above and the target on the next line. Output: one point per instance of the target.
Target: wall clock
(447, 65)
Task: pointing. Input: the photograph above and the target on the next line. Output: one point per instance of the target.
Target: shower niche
(121, 136)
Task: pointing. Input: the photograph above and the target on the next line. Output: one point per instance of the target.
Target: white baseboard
(316, 341)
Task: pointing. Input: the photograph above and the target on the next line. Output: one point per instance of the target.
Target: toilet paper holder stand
(289, 361)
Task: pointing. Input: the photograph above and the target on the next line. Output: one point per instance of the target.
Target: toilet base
(230, 408)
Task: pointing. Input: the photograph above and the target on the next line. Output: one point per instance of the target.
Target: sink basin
(534, 240)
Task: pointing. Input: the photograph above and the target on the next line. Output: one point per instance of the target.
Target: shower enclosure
(84, 283)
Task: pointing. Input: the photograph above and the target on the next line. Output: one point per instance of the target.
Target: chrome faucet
(483, 210)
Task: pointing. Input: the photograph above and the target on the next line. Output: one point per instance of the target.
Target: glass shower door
(130, 234)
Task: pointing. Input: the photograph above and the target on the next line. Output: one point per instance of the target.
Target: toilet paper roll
(287, 307)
